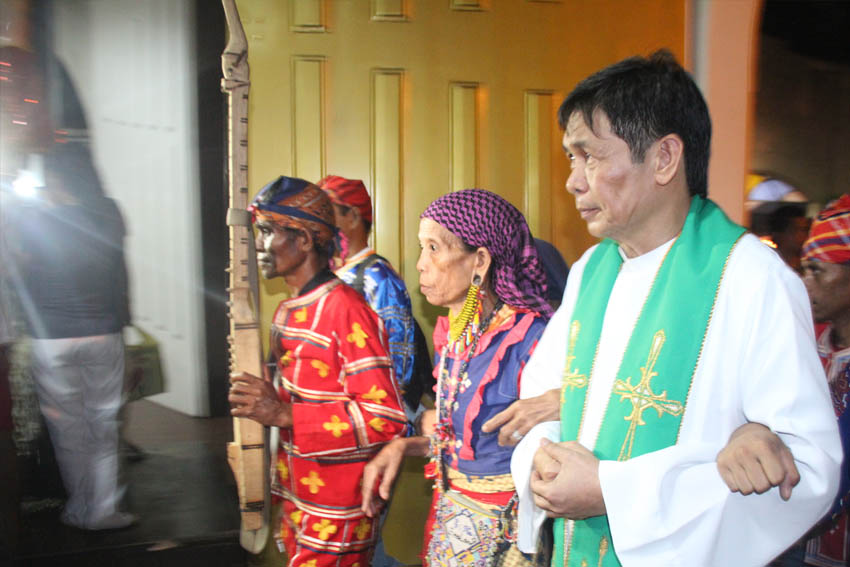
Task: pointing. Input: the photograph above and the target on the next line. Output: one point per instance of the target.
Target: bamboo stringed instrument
(247, 453)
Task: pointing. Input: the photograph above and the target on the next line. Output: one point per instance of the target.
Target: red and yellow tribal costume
(333, 366)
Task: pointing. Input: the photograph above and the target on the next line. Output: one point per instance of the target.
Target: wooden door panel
(386, 163)
(308, 109)
(419, 98)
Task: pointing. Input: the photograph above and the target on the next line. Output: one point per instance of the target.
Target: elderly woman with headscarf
(479, 260)
(334, 397)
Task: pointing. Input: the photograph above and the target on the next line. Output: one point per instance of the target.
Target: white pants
(79, 383)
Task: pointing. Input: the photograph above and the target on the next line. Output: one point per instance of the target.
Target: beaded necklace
(444, 432)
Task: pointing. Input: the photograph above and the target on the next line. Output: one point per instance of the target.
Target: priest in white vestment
(637, 135)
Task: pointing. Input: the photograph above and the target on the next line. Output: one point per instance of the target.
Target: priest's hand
(256, 398)
(514, 422)
(546, 466)
(755, 460)
(574, 491)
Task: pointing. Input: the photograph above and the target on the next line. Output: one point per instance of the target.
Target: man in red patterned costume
(334, 396)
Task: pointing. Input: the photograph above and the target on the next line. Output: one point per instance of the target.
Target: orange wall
(730, 87)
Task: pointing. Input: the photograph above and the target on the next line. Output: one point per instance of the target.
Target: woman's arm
(383, 469)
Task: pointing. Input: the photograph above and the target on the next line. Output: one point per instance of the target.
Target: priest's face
(829, 289)
(613, 195)
(445, 266)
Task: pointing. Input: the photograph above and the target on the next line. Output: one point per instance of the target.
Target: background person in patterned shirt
(374, 277)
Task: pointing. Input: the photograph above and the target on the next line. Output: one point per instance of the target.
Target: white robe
(759, 364)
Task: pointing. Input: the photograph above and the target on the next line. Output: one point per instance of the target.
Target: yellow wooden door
(421, 97)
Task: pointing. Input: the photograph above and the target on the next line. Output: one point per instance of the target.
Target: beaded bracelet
(433, 446)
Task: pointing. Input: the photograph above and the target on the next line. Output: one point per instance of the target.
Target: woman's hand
(514, 422)
(257, 399)
(426, 424)
(384, 468)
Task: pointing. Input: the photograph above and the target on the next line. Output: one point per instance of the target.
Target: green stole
(648, 399)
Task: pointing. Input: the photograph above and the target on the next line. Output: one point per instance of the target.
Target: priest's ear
(669, 155)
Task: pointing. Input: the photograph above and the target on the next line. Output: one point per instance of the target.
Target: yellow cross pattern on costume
(377, 424)
(286, 358)
(301, 315)
(571, 378)
(357, 336)
(375, 395)
(642, 397)
(283, 470)
(312, 481)
(364, 527)
(325, 528)
(336, 426)
(310, 563)
(296, 516)
(321, 367)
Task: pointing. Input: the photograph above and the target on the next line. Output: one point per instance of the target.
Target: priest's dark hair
(644, 99)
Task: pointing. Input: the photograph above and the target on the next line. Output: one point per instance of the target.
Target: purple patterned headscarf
(482, 218)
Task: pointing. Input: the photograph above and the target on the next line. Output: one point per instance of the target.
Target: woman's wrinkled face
(445, 266)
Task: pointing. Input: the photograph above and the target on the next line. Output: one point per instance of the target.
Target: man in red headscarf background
(826, 273)
(334, 396)
(374, 277)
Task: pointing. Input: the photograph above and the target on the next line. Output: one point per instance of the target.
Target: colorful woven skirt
(469, 533)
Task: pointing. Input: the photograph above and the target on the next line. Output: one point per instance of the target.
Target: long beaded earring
(469, 313)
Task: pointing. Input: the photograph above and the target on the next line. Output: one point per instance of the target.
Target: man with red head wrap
(826, 273)
(374, 277)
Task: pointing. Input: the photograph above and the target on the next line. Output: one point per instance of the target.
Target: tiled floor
(183, 493)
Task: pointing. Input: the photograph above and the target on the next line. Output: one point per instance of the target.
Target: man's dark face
(278, 253)
(344, 218)
(790, 241)
(829, 289)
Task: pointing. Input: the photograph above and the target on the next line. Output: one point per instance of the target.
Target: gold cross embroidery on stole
(603, 550)
(571, 378)
(642, 397)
